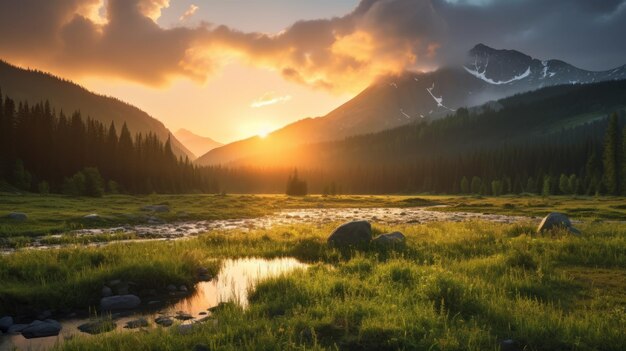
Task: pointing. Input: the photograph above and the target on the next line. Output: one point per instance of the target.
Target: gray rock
(556, 220)
(17, 216)
(164, 321)
(395, 238)
(16, 328)
(171, 288)
(156, 208)
(92, 216)
(183, 288)
(41, 329)
(121, 302)
(5, 323)
(98, 326)
(106, 291)
(183, 316)
(351, 234)
(137, 323)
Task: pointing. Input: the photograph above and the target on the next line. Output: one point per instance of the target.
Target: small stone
(164, 321)
(106, 291)
(121, 302)
(97, 326)
(5, 323)
(92, 216)
(183, 288)
(40, 329)
(137, 323)
(203, 270)
(171, 288)
(17, 216)
(16, 328)
(183, 316)
(395, 238)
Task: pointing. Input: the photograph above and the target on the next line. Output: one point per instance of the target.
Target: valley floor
(475, 285)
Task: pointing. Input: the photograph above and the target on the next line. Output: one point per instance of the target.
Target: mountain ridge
(488, 74)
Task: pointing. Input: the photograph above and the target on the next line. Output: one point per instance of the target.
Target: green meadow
(453, 286)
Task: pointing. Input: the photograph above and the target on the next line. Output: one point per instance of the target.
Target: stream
(310, 216)
(235, 278)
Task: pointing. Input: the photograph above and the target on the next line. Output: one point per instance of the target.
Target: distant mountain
(199, 145)
(488, 74)
(540, 116)
(35, 86)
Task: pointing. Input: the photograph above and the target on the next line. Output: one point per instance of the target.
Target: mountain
(35, 86)
(487, 74)
(524, 119)
(199, 145)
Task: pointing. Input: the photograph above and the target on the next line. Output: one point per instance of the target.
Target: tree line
(526, 147)
(42, 150)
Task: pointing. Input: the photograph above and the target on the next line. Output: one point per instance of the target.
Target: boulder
(120, 302)
(17, 216)
(395, 238)
(156, 208)
(97, 326)
(351, 234)
(5, 323)
(556, 220)
(41, 329)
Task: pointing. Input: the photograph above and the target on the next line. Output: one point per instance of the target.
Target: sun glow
(263, 133)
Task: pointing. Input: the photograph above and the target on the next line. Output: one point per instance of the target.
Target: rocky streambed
(311, 216)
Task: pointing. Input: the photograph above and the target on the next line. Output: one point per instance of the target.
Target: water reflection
(235, 278)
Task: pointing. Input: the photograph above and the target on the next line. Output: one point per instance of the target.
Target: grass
(70, 278)
(56, 214)
(453, 286)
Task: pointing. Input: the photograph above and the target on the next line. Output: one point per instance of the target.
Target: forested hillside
(557, 140)
(41, 150)
(528, 145)
(35, 86)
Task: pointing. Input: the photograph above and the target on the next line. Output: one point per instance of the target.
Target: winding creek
(232, 283)
(310, 216)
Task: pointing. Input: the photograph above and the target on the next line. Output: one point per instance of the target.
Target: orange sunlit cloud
(121, 38)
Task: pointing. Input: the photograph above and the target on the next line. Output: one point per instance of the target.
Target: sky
(230, 69)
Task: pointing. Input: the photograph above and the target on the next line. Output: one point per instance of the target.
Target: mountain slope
(393, 101)
(64, 95)
(523, 119)
(197, 144)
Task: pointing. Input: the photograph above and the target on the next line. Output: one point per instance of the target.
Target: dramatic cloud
(122, 38)
(269, 98)
(190, 12)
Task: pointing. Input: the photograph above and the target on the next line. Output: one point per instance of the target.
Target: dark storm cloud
(342, 53)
